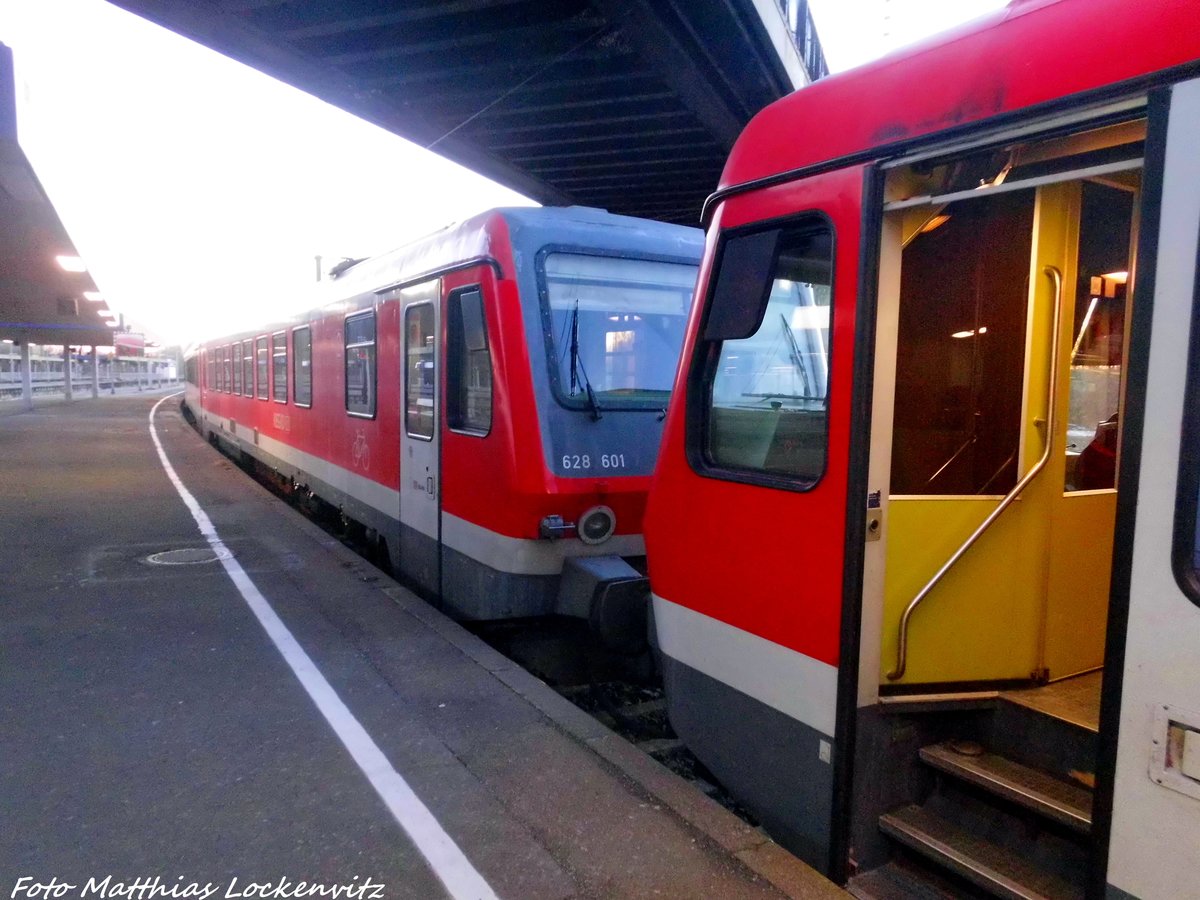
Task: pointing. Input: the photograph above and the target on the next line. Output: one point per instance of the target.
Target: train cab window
(302, 366)
(360, 364)
(247, 364)
(420, 375)
(237, 368)
(468, 365)
(279, 367)
(614, 327)
(765, 357)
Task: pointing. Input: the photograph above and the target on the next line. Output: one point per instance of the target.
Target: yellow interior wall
(1080, 573)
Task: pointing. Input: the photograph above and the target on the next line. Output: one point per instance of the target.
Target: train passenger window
(765, 370)
(360, 364)
(468, 365)
(302, 366)
(614, 327)
(247, 364)
(260, 351)
(1185, 550)
(210, 370)
(420, 376)
(279, 366)
(225, 366)
(1098, 336)
(237, 367)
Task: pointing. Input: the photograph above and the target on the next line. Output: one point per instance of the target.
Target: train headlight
(596, 525)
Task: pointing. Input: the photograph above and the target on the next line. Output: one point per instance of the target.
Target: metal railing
(804, 32)
(902, 644)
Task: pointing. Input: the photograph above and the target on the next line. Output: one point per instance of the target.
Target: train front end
(605, 306)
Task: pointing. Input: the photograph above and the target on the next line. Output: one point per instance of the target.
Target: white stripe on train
(514, 556)
(796, 685)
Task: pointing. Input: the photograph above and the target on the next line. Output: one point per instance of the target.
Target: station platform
(287, 717)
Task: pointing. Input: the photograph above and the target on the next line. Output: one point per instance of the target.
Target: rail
(902, 644)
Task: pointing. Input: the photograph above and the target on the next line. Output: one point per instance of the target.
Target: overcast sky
(199, 190)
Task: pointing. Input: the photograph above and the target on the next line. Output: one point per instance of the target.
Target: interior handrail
(902, 645)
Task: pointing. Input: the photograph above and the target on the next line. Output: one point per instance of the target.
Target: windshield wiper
(577, 368)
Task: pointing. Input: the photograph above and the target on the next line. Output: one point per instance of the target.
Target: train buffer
(303, 719)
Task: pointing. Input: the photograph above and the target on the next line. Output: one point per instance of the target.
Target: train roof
(1030, 53)
(531, 225)
(472, 239)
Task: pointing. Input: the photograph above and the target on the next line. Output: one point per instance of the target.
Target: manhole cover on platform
(189, 556)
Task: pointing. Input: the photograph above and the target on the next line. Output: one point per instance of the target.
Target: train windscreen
(615, 326)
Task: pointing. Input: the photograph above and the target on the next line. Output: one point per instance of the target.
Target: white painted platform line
(444, 856)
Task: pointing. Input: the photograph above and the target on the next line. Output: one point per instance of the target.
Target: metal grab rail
(902, 648)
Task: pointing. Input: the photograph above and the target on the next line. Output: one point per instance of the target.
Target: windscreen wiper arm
(577, 368)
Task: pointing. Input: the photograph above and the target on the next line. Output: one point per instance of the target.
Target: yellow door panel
(981, 621)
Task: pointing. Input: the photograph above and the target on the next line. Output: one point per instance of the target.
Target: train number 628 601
(584, 461)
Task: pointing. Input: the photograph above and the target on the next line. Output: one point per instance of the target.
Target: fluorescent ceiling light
(93, 296)
(71, 263)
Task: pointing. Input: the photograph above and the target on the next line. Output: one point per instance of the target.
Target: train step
(999, 870)
(1037, 791)
(902, 879)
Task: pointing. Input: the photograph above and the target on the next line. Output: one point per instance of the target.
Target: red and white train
(487, 402)
(923, 536)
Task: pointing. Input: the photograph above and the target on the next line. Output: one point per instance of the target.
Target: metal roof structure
(40, 301)
(627, 105)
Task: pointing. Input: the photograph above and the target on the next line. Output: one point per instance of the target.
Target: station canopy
(46, 294)
(627, 105)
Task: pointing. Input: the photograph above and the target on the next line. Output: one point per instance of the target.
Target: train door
(1002, 344)
(420, 457)
(1154, 841)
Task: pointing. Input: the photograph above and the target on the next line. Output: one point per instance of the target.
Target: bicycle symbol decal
(361, 451)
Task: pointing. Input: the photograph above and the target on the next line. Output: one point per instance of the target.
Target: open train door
(420, 454)
(1154, 840)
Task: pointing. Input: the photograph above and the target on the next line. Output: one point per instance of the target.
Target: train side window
(468, 365)
(360, 364)
(225, 374)
(1185, 550)
(237, 368)
(765, 353)
(279, 366)
(210, 370)
(260, 352)
(420, 376)
(247, 364)
(302, 366)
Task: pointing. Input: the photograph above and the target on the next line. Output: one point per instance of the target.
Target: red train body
(896, 258)
(441, 397)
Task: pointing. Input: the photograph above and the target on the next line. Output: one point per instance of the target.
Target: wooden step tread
(900, 880)
(1066, 803)
(996, 869)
